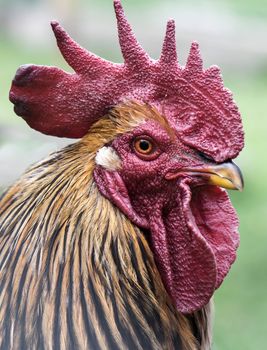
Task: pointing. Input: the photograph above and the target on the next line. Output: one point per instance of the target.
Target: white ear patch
(108, 158)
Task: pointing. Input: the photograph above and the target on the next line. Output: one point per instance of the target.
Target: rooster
(119, 240)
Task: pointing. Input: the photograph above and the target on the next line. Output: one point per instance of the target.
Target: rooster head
(170, 134)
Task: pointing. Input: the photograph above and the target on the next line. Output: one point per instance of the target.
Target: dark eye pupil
(144, 145)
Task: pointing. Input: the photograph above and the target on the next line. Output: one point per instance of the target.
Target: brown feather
(75, 272)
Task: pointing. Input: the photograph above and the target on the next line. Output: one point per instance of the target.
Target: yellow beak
(227, 175)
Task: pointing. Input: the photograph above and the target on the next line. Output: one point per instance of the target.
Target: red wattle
(194, 245)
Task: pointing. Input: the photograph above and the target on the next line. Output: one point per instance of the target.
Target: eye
(145, 147)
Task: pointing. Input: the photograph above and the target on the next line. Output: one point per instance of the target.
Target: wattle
(194, 244)
(217, 221)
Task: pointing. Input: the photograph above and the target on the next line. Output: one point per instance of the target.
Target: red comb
(194, 100)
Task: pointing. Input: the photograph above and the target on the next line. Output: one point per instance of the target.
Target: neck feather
(74, 269)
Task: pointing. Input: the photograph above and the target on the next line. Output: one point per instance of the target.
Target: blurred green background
(233, 35)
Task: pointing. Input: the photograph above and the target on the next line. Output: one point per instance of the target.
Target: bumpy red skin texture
(193, 227)
(193, 99)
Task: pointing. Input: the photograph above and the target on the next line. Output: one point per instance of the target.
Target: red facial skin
(193, 227)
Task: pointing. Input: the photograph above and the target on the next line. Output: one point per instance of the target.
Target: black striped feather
(75, 272)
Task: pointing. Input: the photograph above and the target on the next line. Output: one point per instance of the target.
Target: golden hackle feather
(75, 273)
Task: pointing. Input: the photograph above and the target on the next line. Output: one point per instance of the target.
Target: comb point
(169, 53)
(194, 61)
(132, 52)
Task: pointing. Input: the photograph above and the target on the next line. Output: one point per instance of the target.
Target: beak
(226, 175)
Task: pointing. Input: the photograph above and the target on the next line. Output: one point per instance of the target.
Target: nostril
(205, 156)
(23, 75)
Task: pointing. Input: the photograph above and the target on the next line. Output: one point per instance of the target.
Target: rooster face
(172, 190)
(161, 161)
(151, 169)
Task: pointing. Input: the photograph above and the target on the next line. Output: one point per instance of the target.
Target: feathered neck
(76, 270)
